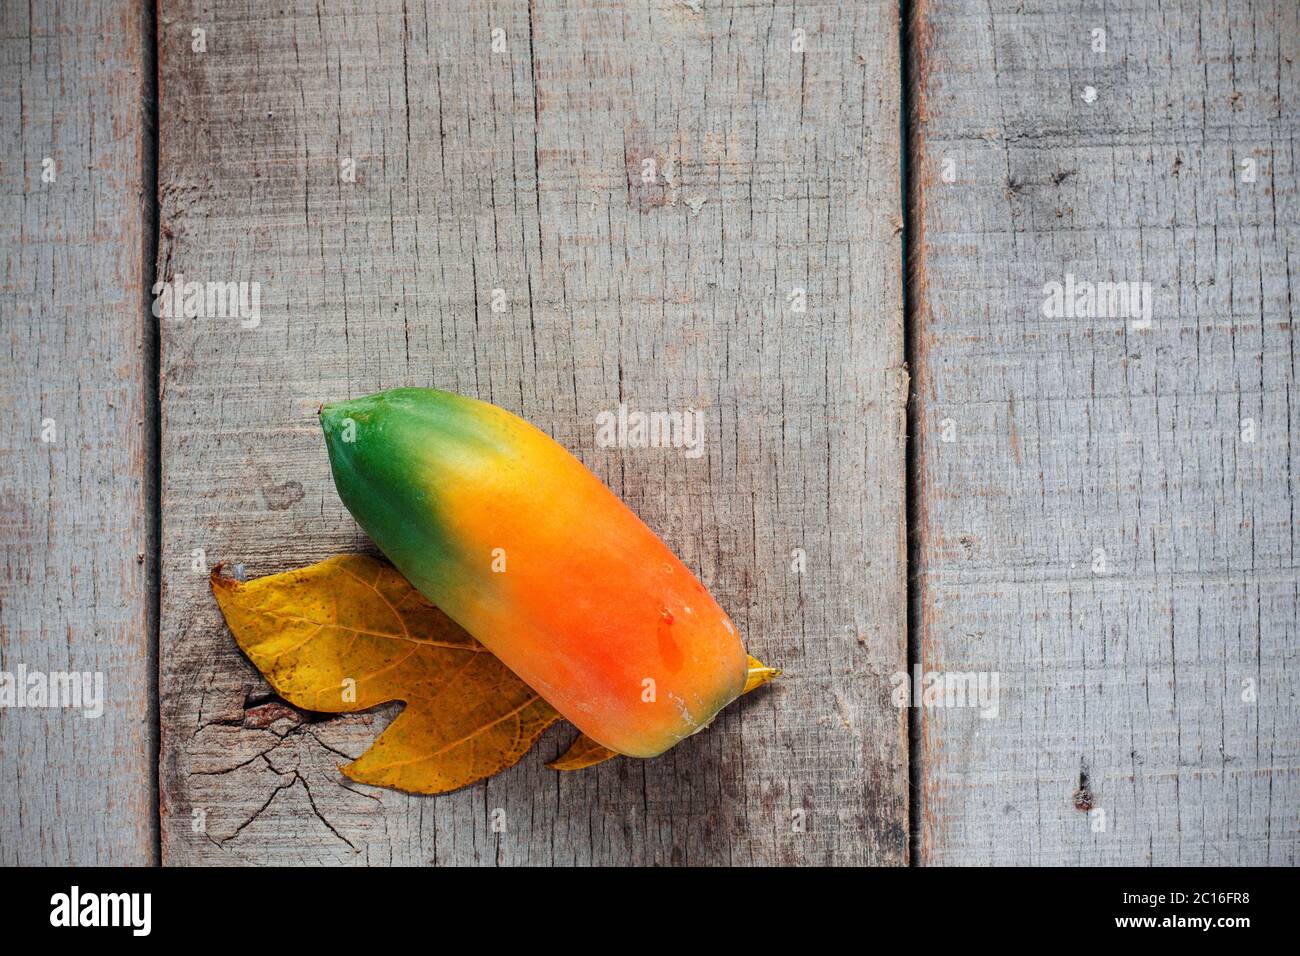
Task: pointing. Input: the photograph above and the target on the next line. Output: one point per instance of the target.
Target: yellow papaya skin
(514, 539)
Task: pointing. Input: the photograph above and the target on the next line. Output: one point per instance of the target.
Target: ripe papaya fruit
(515, 540)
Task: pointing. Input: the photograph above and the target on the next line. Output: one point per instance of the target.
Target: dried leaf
(585, 752)
(350, 633)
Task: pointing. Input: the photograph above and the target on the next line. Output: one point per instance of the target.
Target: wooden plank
(76, 507)
(1105, 511)
(520, 169)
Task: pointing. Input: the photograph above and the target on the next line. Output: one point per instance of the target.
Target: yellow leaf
(350, 633)
(585, 752)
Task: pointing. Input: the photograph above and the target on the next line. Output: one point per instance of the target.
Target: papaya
(520, 544)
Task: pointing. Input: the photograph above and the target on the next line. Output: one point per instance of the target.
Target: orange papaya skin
(514, 539)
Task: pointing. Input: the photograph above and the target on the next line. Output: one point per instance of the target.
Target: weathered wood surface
(1104, 528)
(76, 545)
(520, 169)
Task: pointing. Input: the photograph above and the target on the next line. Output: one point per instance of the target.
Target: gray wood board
(1105, 512)
(76, 416)
(770, 170)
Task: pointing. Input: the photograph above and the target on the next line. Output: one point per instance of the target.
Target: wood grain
(76, 420)
(649, 186)
(1103, 529)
